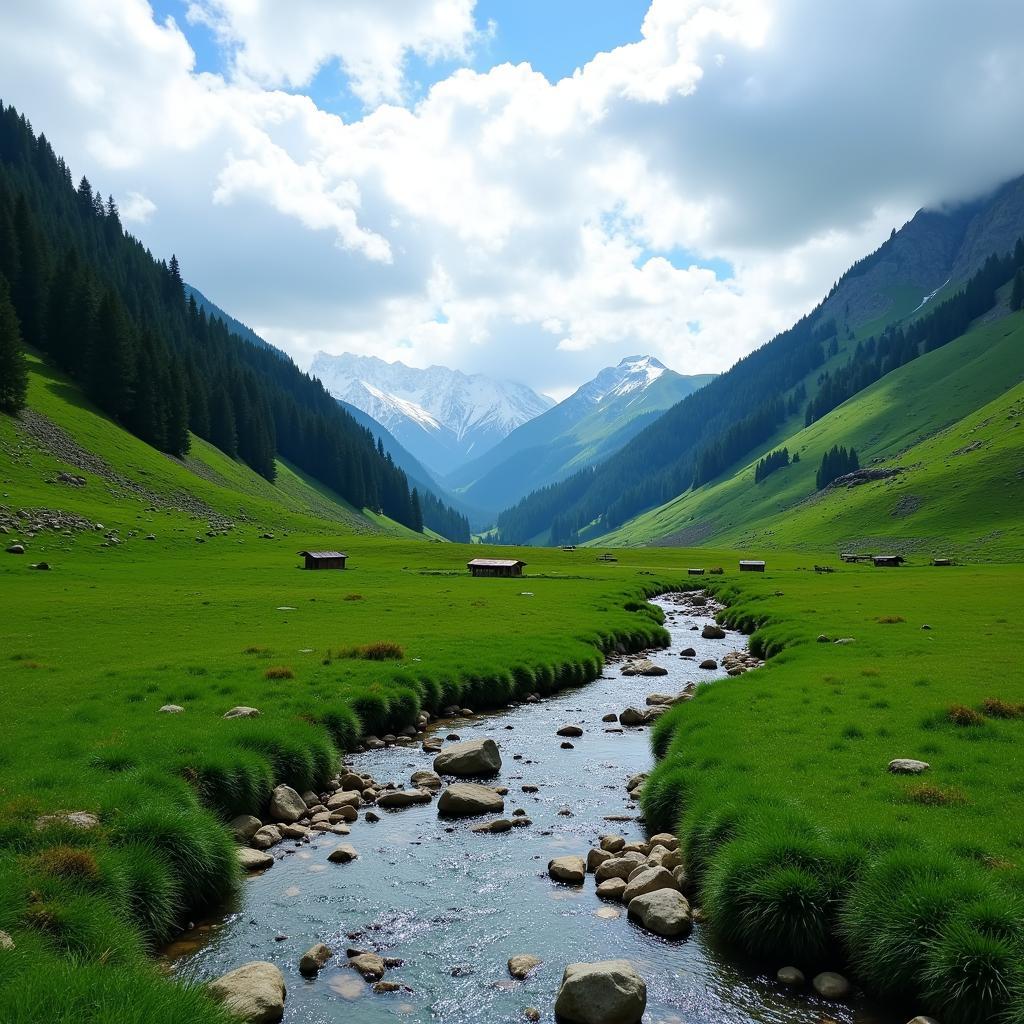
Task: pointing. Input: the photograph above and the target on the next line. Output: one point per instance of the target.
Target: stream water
(455, 905)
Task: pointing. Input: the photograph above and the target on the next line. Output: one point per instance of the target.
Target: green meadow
(803, 845)
(800, 843)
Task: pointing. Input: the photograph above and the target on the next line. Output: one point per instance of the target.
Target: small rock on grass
(171, 709)
(6, 942)
(242, 712)
(908, 766)
(791, 976)
(520, 965)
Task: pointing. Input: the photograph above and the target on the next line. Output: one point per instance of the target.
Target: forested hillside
(798, 376)
(104, 310)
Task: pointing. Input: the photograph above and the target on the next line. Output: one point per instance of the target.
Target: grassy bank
(804, 847)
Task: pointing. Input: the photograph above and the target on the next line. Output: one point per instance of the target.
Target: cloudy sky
(528, 188)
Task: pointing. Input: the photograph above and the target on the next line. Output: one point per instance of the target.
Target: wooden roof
(751, 561)
(496, 563)
(324, 554)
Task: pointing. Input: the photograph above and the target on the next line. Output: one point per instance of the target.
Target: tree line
(898, 345)
(770, 463)
(836, 462)
(97, 303)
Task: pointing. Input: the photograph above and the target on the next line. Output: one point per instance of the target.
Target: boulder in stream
(570, 870)
(472, 758)
(607, 992)
(465, 799)
(253, 993)
(665, 912)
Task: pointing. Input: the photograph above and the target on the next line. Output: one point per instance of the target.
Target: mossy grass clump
(278, 672)
(994, 707)
(774, 891)
(960, 714)
(382, 650)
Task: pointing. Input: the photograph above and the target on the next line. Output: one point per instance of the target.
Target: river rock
(369, 965)
(426, 780)
(609, 717)
(612, 843)
(344, 798)
(666, 839)
(494, 827)
(472, 758)
(661, 857)
(242, 712)
(570, 869)
(648, 880)
(657, 699)
(519, 966)
(662, 911)
(314, 959)
(611, 889)
(352, 782)
(342, 854)
(465, 799)
(830, 985)
(924, 1020)
(265, 837)
(631, 716)
(253, 860)
(709, 663)
(253, 993)
(908, 766)
(396, 798)
(347, 814)
(293, 831)
(643, 667)
(791, 976)
(712, 632)
(619, 867)
(687, 652)
(595, 858)
(607, 992)
(286, 805)
(569, 730)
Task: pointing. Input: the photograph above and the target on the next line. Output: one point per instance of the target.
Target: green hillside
(945, 420)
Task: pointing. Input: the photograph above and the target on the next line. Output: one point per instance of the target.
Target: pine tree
(111, 374)
(417, 511)
(13, 371)
(1017, 295)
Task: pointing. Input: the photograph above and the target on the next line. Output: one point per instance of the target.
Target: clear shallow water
(455, 905)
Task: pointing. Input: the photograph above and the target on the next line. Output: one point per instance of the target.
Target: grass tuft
(960, 714)
(279, 672)
(380, 651)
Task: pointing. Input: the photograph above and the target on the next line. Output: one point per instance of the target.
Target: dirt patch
(687, 537)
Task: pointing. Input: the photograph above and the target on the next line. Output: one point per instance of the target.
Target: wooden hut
(324, 559)
(887, 561)
(607, 557)
(942, 561)
(695, 572)
(751, 565)
(503, 567)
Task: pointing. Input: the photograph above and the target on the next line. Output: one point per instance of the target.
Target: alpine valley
(280, 649)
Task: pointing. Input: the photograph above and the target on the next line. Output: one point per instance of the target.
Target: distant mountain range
(442, 417)
(588, 426)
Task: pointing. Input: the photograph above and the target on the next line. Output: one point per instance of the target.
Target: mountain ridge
(592, 423)
(441, 416)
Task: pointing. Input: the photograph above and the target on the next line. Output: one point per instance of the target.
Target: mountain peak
(442, 416)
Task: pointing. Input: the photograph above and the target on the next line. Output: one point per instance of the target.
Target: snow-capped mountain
(442, 416)
(593, 422)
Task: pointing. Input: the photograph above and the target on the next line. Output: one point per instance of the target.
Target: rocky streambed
(464, 894)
